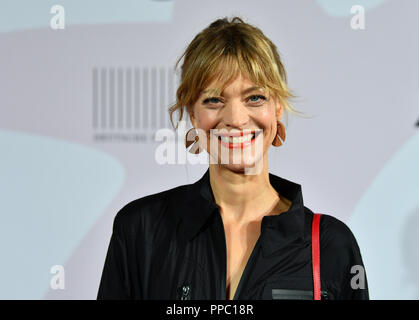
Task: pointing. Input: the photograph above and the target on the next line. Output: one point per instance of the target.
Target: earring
(195, 148)
(280, 135)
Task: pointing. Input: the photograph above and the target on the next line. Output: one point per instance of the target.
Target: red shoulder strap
(315, 252)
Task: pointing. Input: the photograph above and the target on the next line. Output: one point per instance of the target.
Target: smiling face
(239, 110)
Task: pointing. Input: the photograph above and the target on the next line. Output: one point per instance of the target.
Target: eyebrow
(254, 88)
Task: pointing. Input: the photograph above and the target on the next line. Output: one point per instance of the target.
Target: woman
(239, 232)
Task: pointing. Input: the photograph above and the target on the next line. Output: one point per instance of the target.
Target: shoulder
(339, 249)
(337, 240)
(341, 259)
(336, 234)
(146, 211)
(333, 231)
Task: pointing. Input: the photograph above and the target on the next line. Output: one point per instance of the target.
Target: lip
(238, 145)
(238, 133)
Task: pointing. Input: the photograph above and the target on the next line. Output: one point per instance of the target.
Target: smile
(239, 140)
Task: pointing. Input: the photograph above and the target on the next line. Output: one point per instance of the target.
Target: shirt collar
(277, 231)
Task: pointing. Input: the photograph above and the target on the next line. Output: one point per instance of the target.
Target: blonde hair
(222, 50)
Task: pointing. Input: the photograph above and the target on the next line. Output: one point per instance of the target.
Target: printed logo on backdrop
(129, 104)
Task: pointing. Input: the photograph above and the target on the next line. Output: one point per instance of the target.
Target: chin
(246, 164)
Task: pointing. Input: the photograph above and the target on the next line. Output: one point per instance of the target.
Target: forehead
(239, 85)
(227, 92)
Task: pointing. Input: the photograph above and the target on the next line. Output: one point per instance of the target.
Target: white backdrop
(79, 108)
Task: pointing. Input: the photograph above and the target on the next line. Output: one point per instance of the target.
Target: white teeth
(241, 139)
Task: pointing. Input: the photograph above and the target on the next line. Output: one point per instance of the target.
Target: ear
(279, 110)
(192, 118)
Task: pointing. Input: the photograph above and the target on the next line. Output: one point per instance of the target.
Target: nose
(235, 115)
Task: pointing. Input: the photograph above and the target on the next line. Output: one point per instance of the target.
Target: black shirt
(171, 245)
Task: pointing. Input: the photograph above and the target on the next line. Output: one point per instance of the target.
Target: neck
(242, 197)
